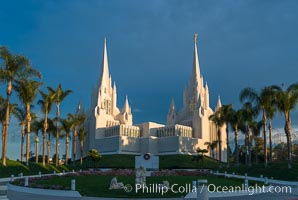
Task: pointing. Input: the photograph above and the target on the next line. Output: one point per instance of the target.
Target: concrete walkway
(13, 195)
(26, 196)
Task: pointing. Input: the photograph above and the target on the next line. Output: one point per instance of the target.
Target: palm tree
(226, 112)
(286, 101)
(20, 114)
(248, 114)
(236, 120)
(66, 127)
(58, 97)
(12, 108)
(14, 68)
(263, 100)
(2, 115)
(77, 120)
(256, 130)
(36, 127)
(219, 121)
(270, 114)
(82, 136)
(211, 146)
(27, 91)
(51, 131)
(46, 105)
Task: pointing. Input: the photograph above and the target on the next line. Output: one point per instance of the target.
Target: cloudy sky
(150, 47)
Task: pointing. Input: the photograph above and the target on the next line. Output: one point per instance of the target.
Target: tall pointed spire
(172, 107)
(218, 104)
(80, 104)
(105, 65)
(196, 67)
(126, 107)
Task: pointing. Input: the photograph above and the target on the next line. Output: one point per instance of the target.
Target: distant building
(111, 130)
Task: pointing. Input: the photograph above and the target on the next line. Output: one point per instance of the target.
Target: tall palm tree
(219, 121)
(236, 120)
(36, 127)
(20, 114)
(77, 120)
(66, 127)
(256, 130)
(27, 91)
(12, 108)
(46, 105)
(286, 101)
(82, 136)
(263, 100)
(211, 146)
(226, 112)
(270, 114)
(58, 96)
(51, 130)
(14, 68)
(2, 115)
(249, 113)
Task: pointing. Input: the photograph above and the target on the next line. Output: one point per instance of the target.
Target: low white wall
(61, 193)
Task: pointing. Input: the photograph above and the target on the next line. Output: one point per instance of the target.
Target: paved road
(262, 197)
(25, 196)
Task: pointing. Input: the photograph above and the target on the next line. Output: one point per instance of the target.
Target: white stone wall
(168, 145)
(107, 145)
(129, 145)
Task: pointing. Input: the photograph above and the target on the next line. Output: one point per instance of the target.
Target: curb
(47, 192)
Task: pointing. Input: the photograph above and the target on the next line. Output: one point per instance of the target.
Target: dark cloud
(150, 46)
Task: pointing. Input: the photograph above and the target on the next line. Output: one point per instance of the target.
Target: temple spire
(105, 66)
(196, 67)
(126, 107)
(218, 104)
(172, 107)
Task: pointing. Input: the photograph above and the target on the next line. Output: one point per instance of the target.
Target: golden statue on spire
(195, 37)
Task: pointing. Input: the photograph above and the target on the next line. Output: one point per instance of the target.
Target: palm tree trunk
(219, 143)
(28, 133)
(249, 145)
(81, 148)
(36, 148)
(57, 136)
(236, 146)
(6, 124)
(66, 149)
(44, 138)
(270, 140)
(49, 150)
(289, 139)
(22, 142)
(57, 150)
(265, 137)
(4, 147)
(74, 144)
(228, 149)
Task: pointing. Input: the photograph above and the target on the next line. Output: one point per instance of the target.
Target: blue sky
(150, 47)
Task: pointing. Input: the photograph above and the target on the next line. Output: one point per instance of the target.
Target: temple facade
(111, 129)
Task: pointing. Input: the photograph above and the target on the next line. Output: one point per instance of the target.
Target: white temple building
(111, 129)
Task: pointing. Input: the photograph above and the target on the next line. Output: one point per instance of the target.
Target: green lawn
(98, 185)
(275, 170)
(15, 168)
(278, 171)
